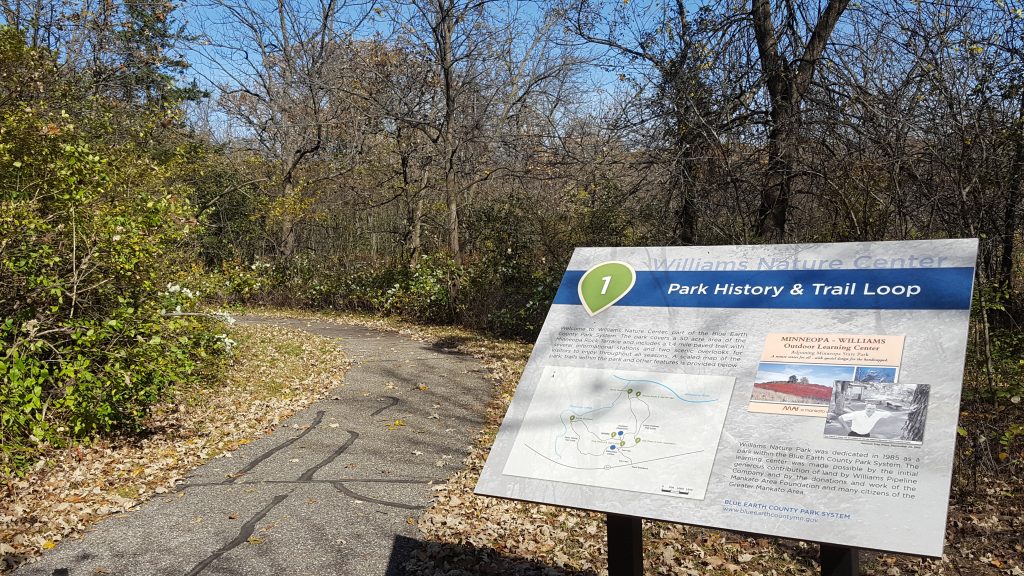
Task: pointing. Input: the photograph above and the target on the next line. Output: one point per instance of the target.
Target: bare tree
(488, 62)
(274, 65)
(663, 51)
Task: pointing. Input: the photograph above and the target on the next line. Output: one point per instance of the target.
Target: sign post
(800, 391)
(625, 545)
(839, 561)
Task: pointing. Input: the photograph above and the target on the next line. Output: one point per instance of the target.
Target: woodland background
(439, 160)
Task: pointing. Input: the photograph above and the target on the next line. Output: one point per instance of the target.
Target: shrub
(508, 295)
(431, 292)
(91, 334)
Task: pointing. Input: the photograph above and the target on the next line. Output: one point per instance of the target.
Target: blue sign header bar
(876, 289)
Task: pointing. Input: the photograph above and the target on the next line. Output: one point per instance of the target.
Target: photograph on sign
(805, 386)
(878, 410)
(802, 391)
(795, 388)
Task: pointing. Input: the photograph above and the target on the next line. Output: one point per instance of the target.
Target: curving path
(334, 496)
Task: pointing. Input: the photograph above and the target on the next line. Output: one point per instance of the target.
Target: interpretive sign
(803, 391)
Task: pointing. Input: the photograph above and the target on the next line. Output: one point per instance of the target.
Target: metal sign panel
(803, 391)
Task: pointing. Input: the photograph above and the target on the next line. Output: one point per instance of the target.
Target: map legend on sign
(628, 430)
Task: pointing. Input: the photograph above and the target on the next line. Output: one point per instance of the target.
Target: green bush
(431, 292)
(233, 282)
(362, 288)
(91, 233)
(508, 296)
(504, 293)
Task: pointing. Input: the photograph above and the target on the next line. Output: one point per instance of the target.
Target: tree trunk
(685, 210)
(287, 224)
(773, 210)
(453, 227)
(1016, 190)
(414, 203)
(443, 31)
(839, 391)
(787, 77)
(416, 233)
(913, 430)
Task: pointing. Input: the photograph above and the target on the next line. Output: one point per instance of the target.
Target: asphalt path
(338, 494)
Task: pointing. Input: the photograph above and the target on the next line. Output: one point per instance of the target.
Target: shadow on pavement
(412, 557)
(449, 344)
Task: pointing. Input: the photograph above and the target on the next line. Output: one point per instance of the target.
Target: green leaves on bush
(429, 294)
(501, 293)
(91, 334)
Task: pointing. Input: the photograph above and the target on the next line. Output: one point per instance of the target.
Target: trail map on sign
(639, 431)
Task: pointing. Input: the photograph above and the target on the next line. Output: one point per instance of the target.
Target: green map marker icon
(605, 284)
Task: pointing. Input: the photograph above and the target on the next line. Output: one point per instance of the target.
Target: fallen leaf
(715, 561)
(668, 555)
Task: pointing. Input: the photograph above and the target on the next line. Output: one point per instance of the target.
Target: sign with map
(802, 391)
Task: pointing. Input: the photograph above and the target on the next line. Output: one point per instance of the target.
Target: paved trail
(331, 497)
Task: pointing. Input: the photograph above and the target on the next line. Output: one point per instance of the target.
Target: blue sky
(880, 374)
(816, 373)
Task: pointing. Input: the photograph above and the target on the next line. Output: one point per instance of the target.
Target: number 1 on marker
(607, 281)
